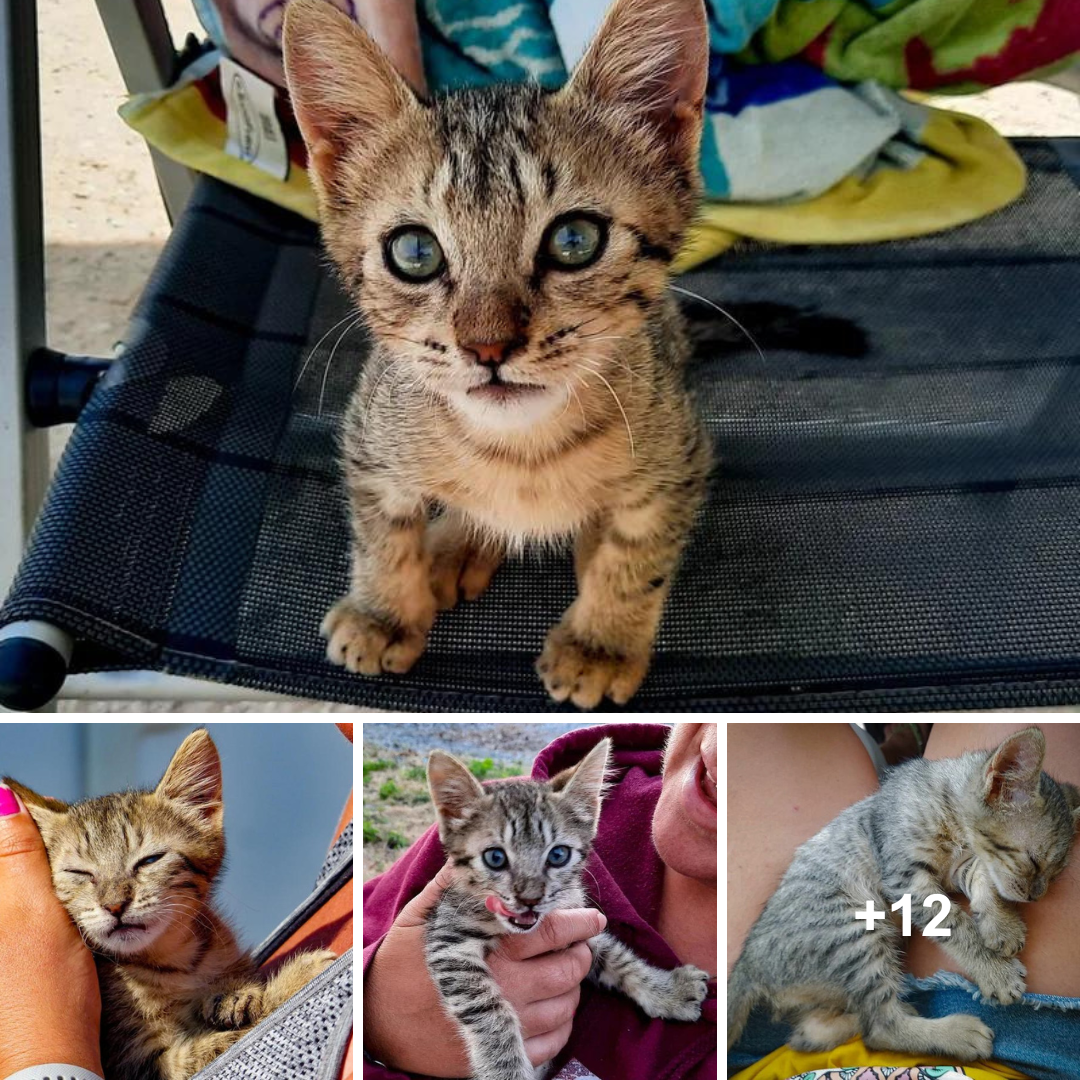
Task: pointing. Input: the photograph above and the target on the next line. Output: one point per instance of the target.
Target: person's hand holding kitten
(51, 1007)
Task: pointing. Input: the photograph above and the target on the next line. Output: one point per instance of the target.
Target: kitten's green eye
(558, 855)
(149, 859)
(574, 241)
(414, 254)
(495, 858)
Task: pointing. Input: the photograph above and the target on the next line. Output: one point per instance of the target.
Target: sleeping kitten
(509, 249)
(520, 849)
(990, 825)
(135, 871)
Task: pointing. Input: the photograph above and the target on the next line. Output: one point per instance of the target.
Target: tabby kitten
(509, 249)
(136, 871)
(989, 824)
(519, 849)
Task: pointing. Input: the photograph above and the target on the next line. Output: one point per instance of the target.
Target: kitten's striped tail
(742, 996)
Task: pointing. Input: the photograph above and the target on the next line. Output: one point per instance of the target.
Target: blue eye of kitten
(558, 855)
(495, 858)
(574, 241)
(149, 859)
(414, 254)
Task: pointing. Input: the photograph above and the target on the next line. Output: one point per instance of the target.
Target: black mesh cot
(894, 522)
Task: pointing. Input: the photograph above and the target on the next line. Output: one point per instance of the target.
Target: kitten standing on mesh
(510, 250)
(518, 849)
(989, 824)
(136, 872)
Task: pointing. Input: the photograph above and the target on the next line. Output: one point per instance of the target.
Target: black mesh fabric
(894, 522)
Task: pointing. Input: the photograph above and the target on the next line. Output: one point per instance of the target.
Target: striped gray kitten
(136, 872)
(519, 849)
(988, 824)
(510, 251)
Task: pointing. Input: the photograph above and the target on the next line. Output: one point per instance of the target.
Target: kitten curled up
(990, 824)
(518, 849)
(510, 250)
(136, 871)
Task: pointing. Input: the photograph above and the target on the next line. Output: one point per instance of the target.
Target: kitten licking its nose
(510, 251)
(518, 848)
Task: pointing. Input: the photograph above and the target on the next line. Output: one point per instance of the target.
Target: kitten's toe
(969, 1039)
(461, 574)
(585, 675)
(234, 1009)
(368, 644)
(1003, 982)
(678, 994)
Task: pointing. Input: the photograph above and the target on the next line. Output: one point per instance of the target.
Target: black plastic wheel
(31, 673)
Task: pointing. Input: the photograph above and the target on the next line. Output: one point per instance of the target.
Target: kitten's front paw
(460, 575)
(1004, 933)
(969, 1039)
(1002, 983)
(369, 644)
(237, 1008)
(571, 669)
(679, 995)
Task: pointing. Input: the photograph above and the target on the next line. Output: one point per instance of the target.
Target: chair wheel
(31, 673)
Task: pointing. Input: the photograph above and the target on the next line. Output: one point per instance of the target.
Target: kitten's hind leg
(461, 566)
(823, 1029)
(892, 1026)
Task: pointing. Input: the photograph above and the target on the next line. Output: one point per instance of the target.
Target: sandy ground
(104, 220)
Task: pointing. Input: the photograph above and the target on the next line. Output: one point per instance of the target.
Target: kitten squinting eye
(82, 873)
(149, 859)
(495, 859)
(413, 253)
(574, 241)
(559, 855)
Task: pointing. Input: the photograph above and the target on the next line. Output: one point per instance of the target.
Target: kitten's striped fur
(609, 453)
(526, 820)
(989, 824)
(180, 993)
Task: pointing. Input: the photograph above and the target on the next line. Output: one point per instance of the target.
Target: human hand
(539, 974)
(50, 1010)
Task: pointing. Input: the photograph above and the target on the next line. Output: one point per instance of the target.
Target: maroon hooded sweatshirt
(612, 1038)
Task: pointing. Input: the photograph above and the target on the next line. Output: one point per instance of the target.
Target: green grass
(389, 790)
(371, 834)
(488, 770)
(396, 840)
(375, 766)
(416, 772)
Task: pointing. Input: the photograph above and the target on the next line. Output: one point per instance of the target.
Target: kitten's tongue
(497, 907)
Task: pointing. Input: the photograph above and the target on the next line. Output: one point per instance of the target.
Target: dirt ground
(104, 220)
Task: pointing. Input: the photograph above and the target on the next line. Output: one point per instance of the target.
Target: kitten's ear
(651, 56)
(1013, 771)
(45, 811)
(342, 86)
(1072, 797)
(582, 787)
(193, 778)
(454, 790)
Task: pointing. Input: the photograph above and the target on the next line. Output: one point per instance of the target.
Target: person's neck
(688, 919)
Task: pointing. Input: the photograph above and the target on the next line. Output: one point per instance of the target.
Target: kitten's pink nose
(488, 353)
(529, 901)
(117, 909)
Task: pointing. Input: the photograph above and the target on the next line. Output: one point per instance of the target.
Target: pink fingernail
(8, 803)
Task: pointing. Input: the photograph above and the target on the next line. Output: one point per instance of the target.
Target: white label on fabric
(254, 132)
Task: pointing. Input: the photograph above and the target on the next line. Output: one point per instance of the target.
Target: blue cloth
(1039, 1035)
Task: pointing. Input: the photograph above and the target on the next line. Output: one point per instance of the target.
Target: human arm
(51, 1008)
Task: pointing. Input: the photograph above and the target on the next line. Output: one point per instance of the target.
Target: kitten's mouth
(497, 392)
(526, 920)
(126, 930)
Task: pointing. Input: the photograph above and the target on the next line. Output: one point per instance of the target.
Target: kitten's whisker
(626, 419)
(726, 314)
(330, 360)
(351, 315)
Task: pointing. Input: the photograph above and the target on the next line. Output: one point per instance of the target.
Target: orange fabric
(329, 928)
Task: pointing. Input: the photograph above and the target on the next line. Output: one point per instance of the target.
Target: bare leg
(1052, 952)
(785, 782)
